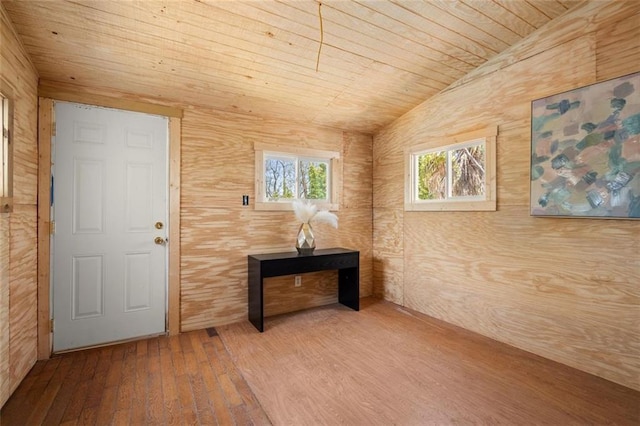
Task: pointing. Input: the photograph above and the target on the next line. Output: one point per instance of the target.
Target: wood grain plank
(107, 405)
(96, 389)
(23, 395)
(357, 175)
(526, 12)
(88, 416)
(204, 408)
(499, 38)
(616, 53)
(170, 397)
(549, 8)
(388, 158)
(344, 33)
(507, 18)
(126, 388)
(65, 393)
(22, 292)
(121, 418)
(170, 391)
(154, 402)
(388, 254)
(211, 371)
(446, 33)
(187, 401)
(18, 245)
(407, 38)
(230, 392)
(49, 393)
(74, 409)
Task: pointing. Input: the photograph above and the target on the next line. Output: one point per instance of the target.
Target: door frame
(46, 129)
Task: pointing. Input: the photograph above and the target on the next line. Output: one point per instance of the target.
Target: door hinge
(53, 128)
(52, 227)
(51, 325)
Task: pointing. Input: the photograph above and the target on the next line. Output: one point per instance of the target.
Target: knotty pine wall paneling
(218, 233)
(18, 242)
(566, 289)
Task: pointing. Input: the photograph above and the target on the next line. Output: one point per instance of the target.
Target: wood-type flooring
(186, 379)
(384, 365)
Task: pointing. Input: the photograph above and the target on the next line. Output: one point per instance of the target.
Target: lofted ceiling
(353, 65)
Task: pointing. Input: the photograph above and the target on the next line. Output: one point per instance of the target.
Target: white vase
(305, 242)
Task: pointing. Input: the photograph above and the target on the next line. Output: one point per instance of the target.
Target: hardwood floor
(387, 365)
(383, 365)
(186, 379)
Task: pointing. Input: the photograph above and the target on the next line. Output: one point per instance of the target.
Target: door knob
(159, 241)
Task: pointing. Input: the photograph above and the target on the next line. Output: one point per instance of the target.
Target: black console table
(261, 266)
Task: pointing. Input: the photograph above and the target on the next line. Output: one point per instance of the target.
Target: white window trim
(487, 136)
(334, 178)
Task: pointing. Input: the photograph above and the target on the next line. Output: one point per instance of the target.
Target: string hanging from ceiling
(321, 35)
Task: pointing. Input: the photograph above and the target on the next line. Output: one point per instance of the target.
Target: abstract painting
(585, 151)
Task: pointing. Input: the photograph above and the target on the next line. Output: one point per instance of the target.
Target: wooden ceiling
(375, 59)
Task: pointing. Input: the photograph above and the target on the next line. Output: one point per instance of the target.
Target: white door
(109, 206)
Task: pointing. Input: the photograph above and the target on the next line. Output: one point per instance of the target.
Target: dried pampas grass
(307, 212)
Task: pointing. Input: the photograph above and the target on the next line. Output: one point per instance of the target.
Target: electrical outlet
(298, 281)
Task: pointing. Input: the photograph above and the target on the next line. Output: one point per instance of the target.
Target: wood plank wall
(18, 242)
(218, 232)
(566, 289)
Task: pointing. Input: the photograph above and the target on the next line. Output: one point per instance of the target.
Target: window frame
(6, 148)
(487, 202)
(334, 175)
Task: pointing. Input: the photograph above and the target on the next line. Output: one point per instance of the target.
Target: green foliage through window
(432, 176)
(451, 173)
(313, 180)
(289, 177)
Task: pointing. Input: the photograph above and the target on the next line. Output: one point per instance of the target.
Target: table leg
(256, 301)
(349, 287)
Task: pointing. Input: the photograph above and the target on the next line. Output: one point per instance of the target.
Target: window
(285, 174)
(6, 151)
(457, 174)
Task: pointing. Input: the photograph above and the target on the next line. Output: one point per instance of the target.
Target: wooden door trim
(61, 93)
(45, 131)
(175, 138)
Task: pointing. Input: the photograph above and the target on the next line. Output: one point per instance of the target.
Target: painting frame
(585, 151)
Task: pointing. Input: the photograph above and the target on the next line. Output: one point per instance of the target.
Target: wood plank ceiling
(377, 60)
